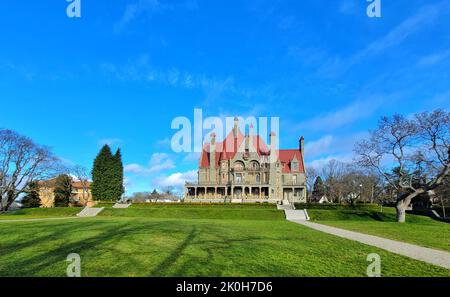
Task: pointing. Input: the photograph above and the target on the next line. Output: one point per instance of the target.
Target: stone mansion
(242, 168)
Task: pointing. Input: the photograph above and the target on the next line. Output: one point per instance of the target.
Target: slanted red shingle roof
(286, 156)
(227, 149)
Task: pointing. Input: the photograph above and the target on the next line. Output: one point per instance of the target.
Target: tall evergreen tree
(32, 199)
(62, 190)
(319, 189)
(103, 175)
(118, 175)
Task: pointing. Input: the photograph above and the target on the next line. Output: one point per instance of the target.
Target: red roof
(227, 149)
(286, 156)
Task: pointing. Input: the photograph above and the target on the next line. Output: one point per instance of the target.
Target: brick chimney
(212, 157)
(302, 146)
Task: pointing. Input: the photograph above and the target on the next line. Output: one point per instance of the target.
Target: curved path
(431, 256)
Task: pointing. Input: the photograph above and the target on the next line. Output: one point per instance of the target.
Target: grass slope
(199, 212)
(257, 243)
(35, 213)
(419, 230)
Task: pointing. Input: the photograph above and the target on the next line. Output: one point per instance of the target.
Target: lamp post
(360, 191)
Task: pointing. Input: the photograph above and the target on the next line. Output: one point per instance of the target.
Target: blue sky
(123, 71)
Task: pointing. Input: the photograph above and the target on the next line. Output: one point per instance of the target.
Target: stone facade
(79, 196)
(244, 169)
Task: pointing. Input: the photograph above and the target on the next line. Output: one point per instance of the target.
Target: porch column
(260, 193)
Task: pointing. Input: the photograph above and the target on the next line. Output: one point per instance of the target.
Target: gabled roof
(227, 150)
(286, 156)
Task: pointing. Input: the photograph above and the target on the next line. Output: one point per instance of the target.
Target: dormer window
(294, 166)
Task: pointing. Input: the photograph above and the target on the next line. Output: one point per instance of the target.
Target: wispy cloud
(349, 114)
(425, 17)
(318, 147)
(433, 59)
(135, 10)
(18, 69)
(348, 6)
(141, 70)
(158, 163)
(146, 8)
(318, 164)
(176, 180)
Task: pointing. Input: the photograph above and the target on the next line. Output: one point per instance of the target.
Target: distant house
(80, 195)
(319, 199)
(323, 199)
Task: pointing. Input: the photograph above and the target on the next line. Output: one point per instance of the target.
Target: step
(121, 205)
(89, 212)
(285, 207)
(296, 215)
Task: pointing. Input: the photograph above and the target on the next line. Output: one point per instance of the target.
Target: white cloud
(191, 157)
(318, 147)
(176, 180)
(318, 164)
(158, 162)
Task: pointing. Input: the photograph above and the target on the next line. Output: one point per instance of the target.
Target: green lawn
(183, 241)
(198, 212)
(35, 213)
(419, 230)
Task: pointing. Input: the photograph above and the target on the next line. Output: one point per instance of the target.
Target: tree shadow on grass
(33, 264)
(173, 257)
(371, 215)
(211, 247)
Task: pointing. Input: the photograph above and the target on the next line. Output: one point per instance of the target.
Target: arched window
(254, 165)
(239, 166)
(258, 178)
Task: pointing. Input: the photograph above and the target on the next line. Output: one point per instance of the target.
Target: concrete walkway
(431, 256)
(40, 219)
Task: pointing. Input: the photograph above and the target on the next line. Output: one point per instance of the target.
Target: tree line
(26, 166)
(404, 160)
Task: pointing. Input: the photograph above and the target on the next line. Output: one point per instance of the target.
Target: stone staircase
(296, 215)
(121, 205)
(89, 212)
(285, 207)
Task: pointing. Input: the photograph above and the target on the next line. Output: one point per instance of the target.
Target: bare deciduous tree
(82, 176)
(333, 173)
(419, 150)
(312, 175)
(21, 162)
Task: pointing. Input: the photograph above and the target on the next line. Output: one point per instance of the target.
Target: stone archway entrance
(237, 193)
